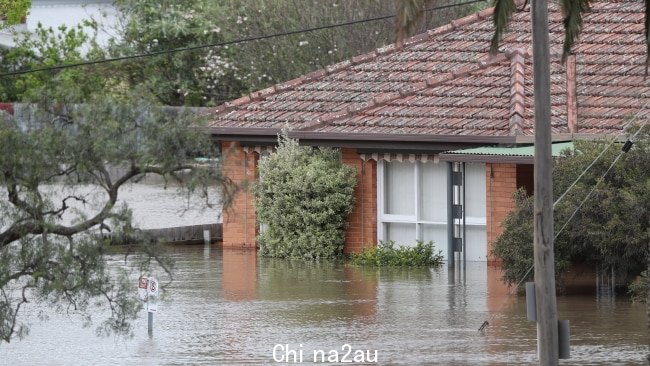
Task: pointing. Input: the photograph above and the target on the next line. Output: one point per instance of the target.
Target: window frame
(384, 218)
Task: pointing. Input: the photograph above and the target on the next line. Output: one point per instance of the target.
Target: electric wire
(222, 44)
(596, 185)
(613, 140)
(601, 154)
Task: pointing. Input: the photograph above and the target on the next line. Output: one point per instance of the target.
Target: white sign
(152, 295)
(143, 284)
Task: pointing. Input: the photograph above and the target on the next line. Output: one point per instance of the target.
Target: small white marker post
(148, 292)
(152, 302)
(206, 242)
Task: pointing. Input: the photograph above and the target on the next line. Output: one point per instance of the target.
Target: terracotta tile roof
(444, 83)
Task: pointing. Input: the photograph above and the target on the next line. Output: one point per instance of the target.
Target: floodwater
(230, 307)
(154, 204)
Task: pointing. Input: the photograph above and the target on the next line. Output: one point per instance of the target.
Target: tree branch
(37, 226)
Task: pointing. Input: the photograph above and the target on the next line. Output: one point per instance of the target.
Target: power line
(566, 223)
(227, 43)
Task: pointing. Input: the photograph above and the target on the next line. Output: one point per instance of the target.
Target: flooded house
(439, 130)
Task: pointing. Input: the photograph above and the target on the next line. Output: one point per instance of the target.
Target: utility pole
(647, 298)
(547, 325)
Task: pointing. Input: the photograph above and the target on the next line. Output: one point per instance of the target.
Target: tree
(13, 11)
(213, 75)
(49, 47)
(270, 61)
(82, 128)
(51, 253)
(194, 78)
(608, 231)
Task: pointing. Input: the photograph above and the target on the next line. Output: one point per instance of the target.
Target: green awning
(499, 154)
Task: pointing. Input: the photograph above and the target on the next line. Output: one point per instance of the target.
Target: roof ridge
(355, 60)
(517, 58)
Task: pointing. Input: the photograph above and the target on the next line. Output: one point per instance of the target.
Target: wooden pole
(647, 298)
(547, 332)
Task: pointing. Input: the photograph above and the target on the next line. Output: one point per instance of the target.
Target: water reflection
(239, 275)
(230, 307)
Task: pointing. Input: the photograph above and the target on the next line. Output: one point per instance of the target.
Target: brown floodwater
(230, 307)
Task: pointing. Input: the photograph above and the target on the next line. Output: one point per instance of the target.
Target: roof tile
(444, 82)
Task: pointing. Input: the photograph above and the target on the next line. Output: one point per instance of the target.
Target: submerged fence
(192, 234)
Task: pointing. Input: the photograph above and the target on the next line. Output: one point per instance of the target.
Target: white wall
(54, 13)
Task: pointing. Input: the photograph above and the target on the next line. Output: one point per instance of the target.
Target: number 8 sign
(152, 301)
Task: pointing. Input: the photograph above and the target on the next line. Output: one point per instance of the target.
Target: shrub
(386, 255)
(638, 289)
(303, 199)
(608, 230)
(515, 245)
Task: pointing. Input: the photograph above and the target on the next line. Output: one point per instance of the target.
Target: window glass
(404, 187)
(476, 243)
(434, 192)
(400, 188)
(475, 190)
(437, 233)
(401, 233)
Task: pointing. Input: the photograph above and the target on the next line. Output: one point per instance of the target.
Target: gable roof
(443, 85)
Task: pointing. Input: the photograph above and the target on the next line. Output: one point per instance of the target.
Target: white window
(412, 205)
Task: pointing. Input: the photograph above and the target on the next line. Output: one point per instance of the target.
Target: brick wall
(362, 229)
(239, 223)
(501, 181)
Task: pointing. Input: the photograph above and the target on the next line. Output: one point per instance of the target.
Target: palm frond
(573, 10)
(503, 9)
(409, 13)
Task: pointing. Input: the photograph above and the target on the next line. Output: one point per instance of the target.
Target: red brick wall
(239, 223)
(362, 229)
(501, 181)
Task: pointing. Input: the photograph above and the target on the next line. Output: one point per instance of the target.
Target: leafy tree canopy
(13, 11)
(609, 231)
(51, 47)
(63, 165)
(81, 136)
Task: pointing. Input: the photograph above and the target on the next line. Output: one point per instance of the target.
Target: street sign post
(143, 284)
(148, 291)
(152, 295)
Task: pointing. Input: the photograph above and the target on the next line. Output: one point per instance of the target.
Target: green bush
(303, 200)
(638, 289)
(386, 255)
(609, 230)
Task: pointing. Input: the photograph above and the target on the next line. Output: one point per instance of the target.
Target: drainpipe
(464, 242)
(450, 220)
(246, 200)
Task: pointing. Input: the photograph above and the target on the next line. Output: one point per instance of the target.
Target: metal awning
(499, 154)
